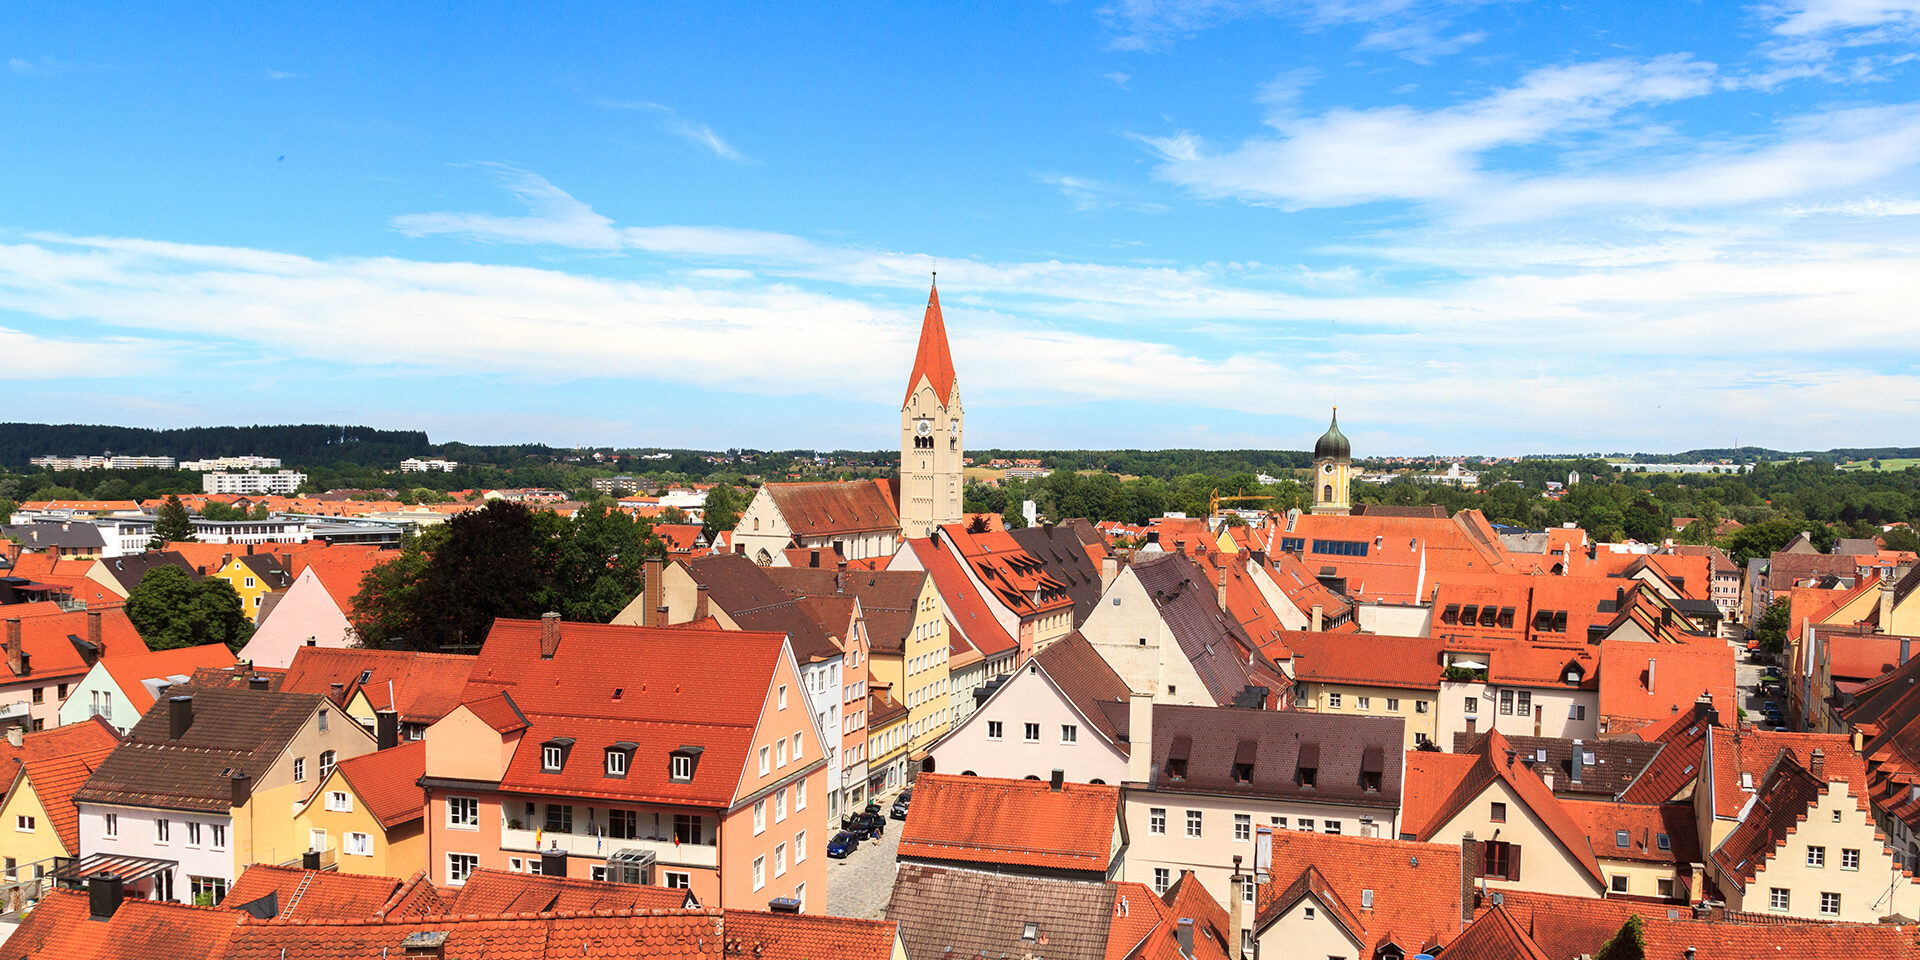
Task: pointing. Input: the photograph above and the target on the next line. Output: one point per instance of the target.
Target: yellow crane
(1214, 501)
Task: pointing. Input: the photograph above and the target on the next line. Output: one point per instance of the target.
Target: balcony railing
(666, 852)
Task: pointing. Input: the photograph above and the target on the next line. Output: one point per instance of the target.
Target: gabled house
(1644, 850)
(1882, 720)
(1064, 710)
(1161, 629)
(1200, 780)
(1645, 683)
(47, 768)
(205, 784)
(120, 690)
(313, 611)
(1509, 826)
(1375, 676)
(1064, 559)
(856, 520)
(1346, 896)
(120, 575)
(371, 809)
(636, 754)
(1029, 603)
(957, 912)
(255, 577)
(968, 618)
(49, 651)
(1544, 926)
(1042, 828)
(416, 688)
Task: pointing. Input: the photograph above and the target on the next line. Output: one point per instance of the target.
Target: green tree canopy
(172, 609)
(171, 524)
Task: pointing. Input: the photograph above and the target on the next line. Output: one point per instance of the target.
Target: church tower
(932, 433)
(1332, 471)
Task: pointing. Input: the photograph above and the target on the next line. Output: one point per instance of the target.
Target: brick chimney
(94, 635)
(16, 657)
(1887, 583)
(700, 607)
(549, 635)
(1818, 765)
(1220, 586)
(656, 571)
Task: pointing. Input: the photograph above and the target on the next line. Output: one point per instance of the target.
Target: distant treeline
(296, 444)
(1751, 454)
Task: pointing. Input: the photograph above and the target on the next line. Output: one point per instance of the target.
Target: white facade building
(102, 463)
(283, 481)
(233, 463)
(415, 465)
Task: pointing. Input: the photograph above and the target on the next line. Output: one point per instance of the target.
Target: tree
(1630, 943)
(7, 507)
(723, 507)
(597, 561)
(172, 609)
(1772, 628)
(171, 525)
(1899, 538)
(1013, 517)
(674, 515)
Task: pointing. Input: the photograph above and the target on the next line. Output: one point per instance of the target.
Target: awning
(128, 869)
(1470, 664)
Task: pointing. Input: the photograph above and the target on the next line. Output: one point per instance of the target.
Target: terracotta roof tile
(489, 892)
(1495, 936)
(57, 762)
(1682, 740)
(427, 685)
(826, 509)
(967, 610)
(617, 935)
(804, 936)
(312, 894)
(59, 929)
(986, 820)
(1495, 759)
(1647, 682)
(387, 782)
(1415, 887)
(1602, 821)
(51, 638)
(129, 672)
(1565, 926)
(981, 914)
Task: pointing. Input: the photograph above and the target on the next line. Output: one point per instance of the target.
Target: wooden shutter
(1513, 861)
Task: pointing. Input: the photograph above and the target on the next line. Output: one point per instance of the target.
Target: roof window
(619, 758)
(553, 754)
(1621, 840)
(682, 761)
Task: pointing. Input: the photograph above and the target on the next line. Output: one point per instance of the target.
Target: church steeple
(932, 361)
(932, 432)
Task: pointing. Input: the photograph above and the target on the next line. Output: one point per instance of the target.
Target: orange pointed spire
(933, 360)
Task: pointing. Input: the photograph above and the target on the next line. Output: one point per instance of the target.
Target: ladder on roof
(294, 901)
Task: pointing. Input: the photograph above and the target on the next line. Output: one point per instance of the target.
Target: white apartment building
(283, 481)
(102, 463)
(416, 465)
(233, 463)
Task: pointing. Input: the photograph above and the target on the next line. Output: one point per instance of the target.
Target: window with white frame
(800, 847)
(112, 826)
(552, 758)
(162, 831)
(800, 795)
(219, 832)
(759, 872)
(1069, 733)
(779, 859)
(460, 866)
(1193, 823)
(781, 698)
(463, 813)
(1816, 856)
(193, 833)
(766, 760)
(358, 845)
(1157, 821)
(780, 807)
(1242, 826)
(1162, 878)
(1849, 858)
(23, 824)
(1032, 732)
(994, 729)
(682, 767)
(796, 747)
(299, 769)
(1829, 904)
(326, 763)
(339, 801)
(759, 817)
(1779, 899)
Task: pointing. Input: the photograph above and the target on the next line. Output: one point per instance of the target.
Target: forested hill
(298, 445)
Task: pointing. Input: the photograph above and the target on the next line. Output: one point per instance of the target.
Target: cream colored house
(1064, 710)
(1160, 627)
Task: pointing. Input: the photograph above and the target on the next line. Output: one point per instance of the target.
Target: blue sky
(1477, 227)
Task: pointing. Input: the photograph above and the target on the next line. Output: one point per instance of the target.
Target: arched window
(326, 763)
(1326, 492)
(763, 558)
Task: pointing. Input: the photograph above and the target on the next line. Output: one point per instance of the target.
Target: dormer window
(682, 762)
(1177, 769)
(620, 757)
(1308, 768)
(1243, 773)
(553, 754)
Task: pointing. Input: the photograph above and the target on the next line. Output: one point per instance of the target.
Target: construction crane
(1214, 501)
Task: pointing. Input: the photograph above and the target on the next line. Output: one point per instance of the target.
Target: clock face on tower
(1327, 468)
(924, 428)
(953, 428)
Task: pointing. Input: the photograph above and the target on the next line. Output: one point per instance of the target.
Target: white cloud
(1118, 79)
(18, 65)
(282, 75)
(1088, 194)
(698, 134)
(554, 217)
(1419, 30)
(1804, 17)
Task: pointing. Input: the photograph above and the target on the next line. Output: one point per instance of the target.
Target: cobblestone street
(860, 885)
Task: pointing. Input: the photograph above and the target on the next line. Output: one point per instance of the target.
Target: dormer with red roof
(932, 432)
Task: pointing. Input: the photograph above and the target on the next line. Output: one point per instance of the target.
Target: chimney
(1651, 663)
(93, 635)
(179, 715)
(386, 726)
(813, 559)
(104, 893)
(1139, 737)
(1819, 765)
(549, 635)
(1619, 597)
(1184, 936)
(1180, 547)
(336, 690)
(1713, 715)
(1906, 649)
(553, 863)
(700, 602)
(1319, 619)
(1236, 921)
(1220, 586)
(1886, 609)
(16, 658)
(1469, 872)
(1059, 777)
(257, 682)
(240, 789)
(17, 736)
(1573, 765)
(1109, 572)
(310, 860)
(425, 944)
(656, 571)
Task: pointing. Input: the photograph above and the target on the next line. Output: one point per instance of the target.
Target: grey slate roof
(1617, 762)
(753, 600)
(959, 913)
(1227, 660)
(1064, 558)
(233, 730)
(1278, 743)
(55, 536)
(127, 571)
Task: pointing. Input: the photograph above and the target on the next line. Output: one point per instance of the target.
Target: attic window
(1665, 842)
(1506, 617)
(1366, 899)
(1030, 932)
(1309, 764)
(1488, 615)
(1746, 781)
(1469, 614)
(553, 754)
(1451, 614)
(1177, 769)
(1621, 840)
(681, 763)
(620, 757)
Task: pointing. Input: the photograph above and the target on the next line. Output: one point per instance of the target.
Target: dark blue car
(842, 844)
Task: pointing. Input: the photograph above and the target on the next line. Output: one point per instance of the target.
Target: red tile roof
(312, 894)
(932, 361)
(826, 509)
(59, 929)
(1682, 738)
(387, 782)
(1495, 936)
(1644, 823)
(427, 686)
(47, 632)
(1646, 682)
(1494, 759)
(1383, 661)
(128, 672)
(1415, 886)
(807, 936)
(1013, 577)
(1564, 926)
(967, 610)
(1431, 778)
(1744, 755)
(618, 934)
(501, 892)
(988, 820)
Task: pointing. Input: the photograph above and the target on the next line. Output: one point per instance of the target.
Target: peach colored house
(311, 613)
(633, 753)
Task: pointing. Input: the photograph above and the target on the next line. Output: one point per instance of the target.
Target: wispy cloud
(553, 217)
(1088, 194)
(1420, 30)
(1118, 79)
(282, 75)
(698, 134)
(19, 65)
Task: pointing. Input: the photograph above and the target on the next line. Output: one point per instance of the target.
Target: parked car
(863, 825)
(900, 805)
(842, 844)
